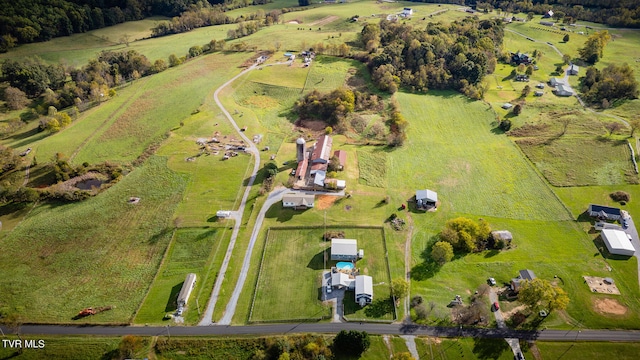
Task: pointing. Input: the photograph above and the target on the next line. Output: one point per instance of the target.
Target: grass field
(291, 269)
(373, 168)
(102, 251)
(452, 150)
(194, 250)
(69, 347)
(587, 350)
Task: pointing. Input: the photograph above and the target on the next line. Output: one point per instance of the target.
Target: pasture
(588, 350)
(291, 268)
(192, 250)
(102, 251)
(453, 149)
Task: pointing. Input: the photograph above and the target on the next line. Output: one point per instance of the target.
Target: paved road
(330, 328)
(273, 198)
(208, 314)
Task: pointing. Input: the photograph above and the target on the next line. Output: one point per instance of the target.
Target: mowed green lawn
(588, 350)
(452, 150)
(102, 251)
(292, 266)
(193, 250)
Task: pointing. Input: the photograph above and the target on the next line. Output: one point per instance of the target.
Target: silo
(300, 144)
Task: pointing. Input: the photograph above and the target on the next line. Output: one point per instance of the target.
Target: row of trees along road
(441, 56)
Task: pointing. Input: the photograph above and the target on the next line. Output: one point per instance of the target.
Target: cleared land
(451, 149)
(588, 350)
(292, 266)
(198, 251)
(102, 251)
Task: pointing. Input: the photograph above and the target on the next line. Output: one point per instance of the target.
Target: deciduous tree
(16, 99)
(399, 288)
(442, 252)
(540, 292)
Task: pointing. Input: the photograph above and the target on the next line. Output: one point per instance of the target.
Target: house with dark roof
(524, 275)
(602, 212)
(520, 58)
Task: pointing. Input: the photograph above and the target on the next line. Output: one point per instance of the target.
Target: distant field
(198, 251)
(102, 251)
(452, 150)
(291, 269)
(588, 350)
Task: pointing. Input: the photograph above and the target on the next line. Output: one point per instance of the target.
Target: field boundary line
(255, 288)
(386, 258)
(211, 261)
(108, 120)
(155, 277)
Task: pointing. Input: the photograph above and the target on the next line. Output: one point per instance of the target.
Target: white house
(617, 242)
(344, 249)
(364, 290)
(406, 12)
(342, 280)
(298, 201)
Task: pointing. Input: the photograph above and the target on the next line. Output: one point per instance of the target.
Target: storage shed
(617, 242)
(364, 290)
(344, 249)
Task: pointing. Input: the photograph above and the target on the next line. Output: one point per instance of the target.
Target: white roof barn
(344, 249)
(185, 292)
(617, 242)
(364, 289)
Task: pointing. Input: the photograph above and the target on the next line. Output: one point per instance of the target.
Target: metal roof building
(364, 289)
(185, 292)
(322, 150)
(298, 201)
(617, 242)
(344, 249)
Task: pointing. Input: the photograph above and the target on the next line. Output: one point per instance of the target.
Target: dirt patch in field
(295, 22)
(325, 201)
(599, 285)
(324, 21)
(316, 127)
(609, 306)
(509, 314)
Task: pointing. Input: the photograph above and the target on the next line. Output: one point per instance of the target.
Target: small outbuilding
(364, 290)
(503, 235)
(426, 199)
(538, 93)
(574, 69)
(506, 106)
(617, 242)
(562, 90)
(344, 249)
(223, 214)
(342, 157)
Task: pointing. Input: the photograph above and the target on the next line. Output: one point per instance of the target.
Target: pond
(88, 184)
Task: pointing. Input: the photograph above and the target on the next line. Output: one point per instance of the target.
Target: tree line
(40, 20)
(197, 17)
(621, 13)
(441, 56)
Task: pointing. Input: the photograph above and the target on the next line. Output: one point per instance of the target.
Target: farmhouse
(520, 58)
(342, 157)
(561, 90)
(342, 280)
(574, 69)
(364, 289)
(617, 242)
(298, 201)
(522, 276)
(604, 212)
(555, 82)
(426, 199)
(185, 292)
(344, 249)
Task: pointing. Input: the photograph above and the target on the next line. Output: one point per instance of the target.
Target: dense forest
(621, 13)
(25, 21)
(452, 56)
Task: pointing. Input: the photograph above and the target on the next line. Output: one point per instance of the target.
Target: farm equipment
(92, 311)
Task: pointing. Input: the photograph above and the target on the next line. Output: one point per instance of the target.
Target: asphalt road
(390, 329)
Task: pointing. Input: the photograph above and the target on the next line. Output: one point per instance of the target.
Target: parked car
(293, 172)
(625, 223)
(519, 356)
(492, 281)
(496, 306)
